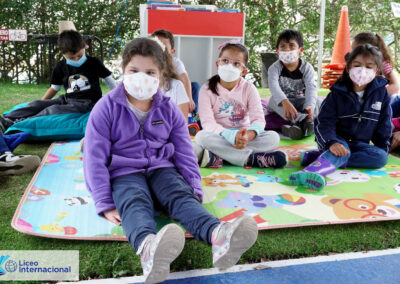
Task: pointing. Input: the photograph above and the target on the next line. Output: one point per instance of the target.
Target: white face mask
(361, 75)
(140, 85)
(228, 73)
(289, 56)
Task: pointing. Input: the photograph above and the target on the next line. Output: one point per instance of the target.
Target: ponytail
(212, 84)
(385, 50)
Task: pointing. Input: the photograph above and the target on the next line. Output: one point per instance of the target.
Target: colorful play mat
(56, 203)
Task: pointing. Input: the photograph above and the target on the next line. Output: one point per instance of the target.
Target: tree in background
(265, 19)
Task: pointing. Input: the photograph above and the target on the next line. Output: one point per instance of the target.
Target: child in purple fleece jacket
(138, 157)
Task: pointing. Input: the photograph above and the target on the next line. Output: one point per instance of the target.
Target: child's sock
(307, 125)
(277, 159)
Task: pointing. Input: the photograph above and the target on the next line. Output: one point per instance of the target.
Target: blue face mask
(77, 63)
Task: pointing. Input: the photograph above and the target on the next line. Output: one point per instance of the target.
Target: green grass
(114, 259)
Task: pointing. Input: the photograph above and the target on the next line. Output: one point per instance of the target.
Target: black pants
(60, 105)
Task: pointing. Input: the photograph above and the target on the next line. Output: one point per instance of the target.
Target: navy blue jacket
(343, 116)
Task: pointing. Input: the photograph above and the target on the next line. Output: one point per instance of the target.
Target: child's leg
(178, 200)
(134, 203)
(32, 109)
(274, 107)
(229, 240)
(366, 156)
(313, 176)
(222, 148)
(263, 154)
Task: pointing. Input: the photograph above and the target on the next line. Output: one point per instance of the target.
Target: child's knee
(381, 158)
(272, 138)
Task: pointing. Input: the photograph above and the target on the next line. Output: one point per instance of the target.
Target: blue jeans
(137, 195)
(3, 145)
(195, 95)
(362, 155)
(396, 107)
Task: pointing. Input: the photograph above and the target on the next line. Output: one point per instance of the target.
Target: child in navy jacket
(356, 111)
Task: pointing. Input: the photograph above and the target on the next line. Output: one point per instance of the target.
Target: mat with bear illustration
(56, 203)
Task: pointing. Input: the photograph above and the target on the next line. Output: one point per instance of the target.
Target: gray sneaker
(292, 131)
(158, 251)
(231, 240)
(11, 164)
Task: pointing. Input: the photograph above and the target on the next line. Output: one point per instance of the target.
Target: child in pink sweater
(232, 117)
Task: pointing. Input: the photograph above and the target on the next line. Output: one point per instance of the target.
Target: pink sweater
(237, 108)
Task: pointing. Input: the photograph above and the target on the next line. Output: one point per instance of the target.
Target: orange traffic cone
(342, 41)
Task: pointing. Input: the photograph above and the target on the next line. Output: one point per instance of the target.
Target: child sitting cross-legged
(356, 111)
(232, 117)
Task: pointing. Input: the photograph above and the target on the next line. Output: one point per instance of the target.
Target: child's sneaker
(210, 160)
(307, 125)
(16, 165)
(277, 159)
(158, 251)
(292, 131)
(231, 240)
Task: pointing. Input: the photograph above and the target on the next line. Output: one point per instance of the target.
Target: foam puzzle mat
(56, 203)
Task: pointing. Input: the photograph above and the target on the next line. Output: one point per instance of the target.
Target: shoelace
(267, 161)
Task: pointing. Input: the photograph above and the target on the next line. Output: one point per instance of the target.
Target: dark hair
(288, 35)
(366, 50)
(70, 41)
(169, 71)
(144, 47)
(214, 80)
(166, 34)
(375, 40)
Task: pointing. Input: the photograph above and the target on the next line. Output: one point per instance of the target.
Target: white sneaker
(11, 164)
(158, 251)
(231, 240)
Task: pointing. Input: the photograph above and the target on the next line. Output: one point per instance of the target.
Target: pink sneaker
(210, 160)
(158, 251)
(231, 240)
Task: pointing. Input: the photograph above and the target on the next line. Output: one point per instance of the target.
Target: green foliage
(265, 19)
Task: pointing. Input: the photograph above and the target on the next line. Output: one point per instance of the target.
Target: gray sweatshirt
(285, 84)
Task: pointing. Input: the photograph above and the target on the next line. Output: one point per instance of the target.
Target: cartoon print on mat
(255, 203)
(377, 172)
(396, 187)
(261, 223)
(373, 205)
(340, 176)
(36, 194)
(395, 174)
(51, 159)
(295, 151)
(77, 200)
(55, 228)
(268, 178)
(24, 226)
(224, 180)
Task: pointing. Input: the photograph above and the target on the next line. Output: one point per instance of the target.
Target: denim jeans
(362, 155)
(3, 145)
(137, 195)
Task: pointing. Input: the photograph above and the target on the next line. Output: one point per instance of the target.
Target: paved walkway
(361, 267)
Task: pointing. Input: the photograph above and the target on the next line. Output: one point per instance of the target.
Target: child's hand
(310, 113)
(395, 141)
(241, 139)
(112, 216)
(289, 110)
(251, 134)
(192, 105)
(338, 149)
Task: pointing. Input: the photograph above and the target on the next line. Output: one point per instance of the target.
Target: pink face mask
(361, 75)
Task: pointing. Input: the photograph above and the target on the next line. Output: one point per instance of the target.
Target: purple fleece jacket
(116, 144)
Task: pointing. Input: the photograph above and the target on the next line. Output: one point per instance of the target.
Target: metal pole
(37, 62)
(321, 41)
(16, 59)
(28, 61)
(4, 60)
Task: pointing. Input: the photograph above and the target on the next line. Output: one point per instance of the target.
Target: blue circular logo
(10, 266)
